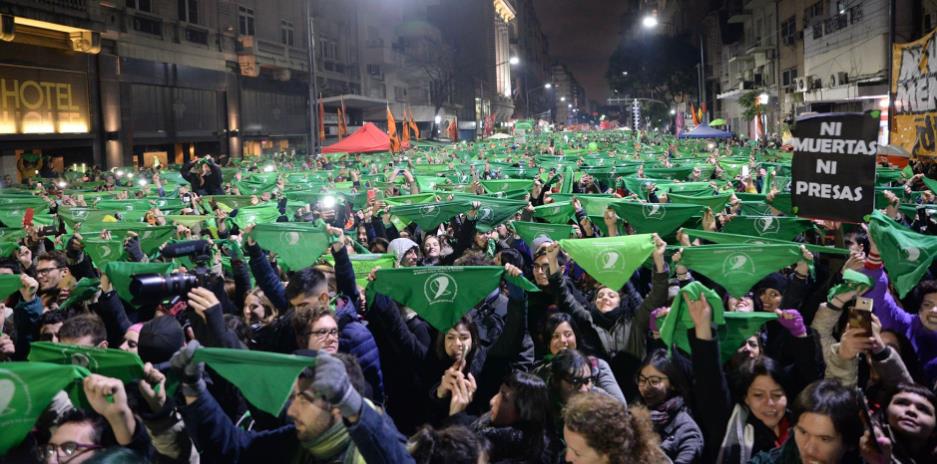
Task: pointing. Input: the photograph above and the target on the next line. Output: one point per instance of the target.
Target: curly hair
(303, 320)
(624, 435)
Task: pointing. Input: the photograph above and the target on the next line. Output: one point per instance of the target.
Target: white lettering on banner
(834, 146)
(829, 191)
(826, 166)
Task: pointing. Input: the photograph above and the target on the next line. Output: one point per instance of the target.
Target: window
(375, 70)
(789, 30)
(813, 11)
(329, 49)
(245, 21)
(788, 76)
(196, 36)
(855, 15)
(188, 11)
(818, 30)
(840, 6)
(286, 32)
(400, 93)
(148, 26)
(140, 5)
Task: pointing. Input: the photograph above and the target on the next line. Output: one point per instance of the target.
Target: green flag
(26, 389)
(103, 251)
(430, 215)
(440, 295)
(494, 211)
(85, 289)
(675, 325)
(714, 202)
(120, 274)
(264, 378)
(503, 185)
(555, 213)
(907, 255)
(258, 214)
(363, 263)
(528, 231)
(297, 244)
(109, 362)
(9, 283)
(738, 267)
(662, 218)
(723, 238)
(610, 260)
(776, 227)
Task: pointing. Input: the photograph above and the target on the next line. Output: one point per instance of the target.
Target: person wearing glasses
(53, 276)
(316, 329)
(662, 386)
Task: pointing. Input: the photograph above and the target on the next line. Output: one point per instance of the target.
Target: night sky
(582, 35)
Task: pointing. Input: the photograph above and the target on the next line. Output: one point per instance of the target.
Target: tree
(434, 60)
(660, 67)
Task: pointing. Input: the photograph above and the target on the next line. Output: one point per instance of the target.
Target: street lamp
(514, 61)
(548, 86)
(624, 73)
(562, 99)
(569, 105)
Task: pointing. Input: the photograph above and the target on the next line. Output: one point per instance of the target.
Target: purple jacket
(895, 318)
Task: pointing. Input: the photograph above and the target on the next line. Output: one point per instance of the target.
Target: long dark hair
(830, 398)
(660, 360)
(554, 321)
(753, 368)
(469, 324)
(530, 399)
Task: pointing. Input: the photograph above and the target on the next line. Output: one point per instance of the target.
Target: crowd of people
(575, 297)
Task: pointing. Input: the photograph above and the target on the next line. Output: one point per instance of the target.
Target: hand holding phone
(860, 316)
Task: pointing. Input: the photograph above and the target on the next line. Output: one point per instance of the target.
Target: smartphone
(860, 316)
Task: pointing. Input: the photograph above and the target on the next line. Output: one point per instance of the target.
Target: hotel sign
(42, 101)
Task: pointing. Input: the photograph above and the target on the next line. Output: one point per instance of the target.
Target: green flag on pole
(26, 389)
(296, 244)
(264, 378)
(907, 255)
(662, 218)
(120, 274)
(109, 362)
(610, 260)
(738, 267)
(776, 227)
(528, 231)
(440, 295)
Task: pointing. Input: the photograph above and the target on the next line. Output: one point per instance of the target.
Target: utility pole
(702, 78)
(314, 141)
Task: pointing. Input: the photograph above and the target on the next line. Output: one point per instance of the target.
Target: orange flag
(321, 119)
(702, 116)
(342, 125)
(414, 128)
(454, 129)
(392, 131)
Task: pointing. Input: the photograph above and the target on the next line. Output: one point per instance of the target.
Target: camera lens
(158, 287)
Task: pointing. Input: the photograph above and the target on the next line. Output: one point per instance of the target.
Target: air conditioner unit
(800, 84)
(814, 83)
(842, 78)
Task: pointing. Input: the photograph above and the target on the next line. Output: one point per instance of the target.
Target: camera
(158, 287)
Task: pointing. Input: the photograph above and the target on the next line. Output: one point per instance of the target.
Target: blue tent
(703, 131)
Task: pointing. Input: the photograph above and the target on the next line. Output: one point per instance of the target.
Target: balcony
(270, 54)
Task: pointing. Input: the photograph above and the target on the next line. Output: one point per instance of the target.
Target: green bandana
(109, 362)
(715, 202)
(678, 321)
(259, 214)
(780, 228)
(528, 231)
(296, 244)
(417, 199)
(7, 248)
(738, 267)
(151, 237)
(103, 251)
(363, 263)
(503, 185)
(84, 290)
(9, 283)
(493, 211)
(555, 213)
(26, 389)
(852, 281)
(723, 238)
(264, 378)
(907, 255)
(120, 273)
(430, 215)
(610, 260)
(662, 218)
(440, 295)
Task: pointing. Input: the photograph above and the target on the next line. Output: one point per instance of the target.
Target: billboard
(914, 93)
(43, 101)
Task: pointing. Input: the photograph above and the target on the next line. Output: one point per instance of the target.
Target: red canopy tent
(369, 138)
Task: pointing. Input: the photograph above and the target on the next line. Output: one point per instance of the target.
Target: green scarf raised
(738, 267)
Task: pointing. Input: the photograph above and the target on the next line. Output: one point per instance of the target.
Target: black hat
(159, 339)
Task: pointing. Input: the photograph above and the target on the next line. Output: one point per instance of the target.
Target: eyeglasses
(542, 267)
(47, 270)
(654, 381)
(67, 451)
(322, 333)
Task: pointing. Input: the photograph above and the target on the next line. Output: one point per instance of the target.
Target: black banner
(833, 171)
